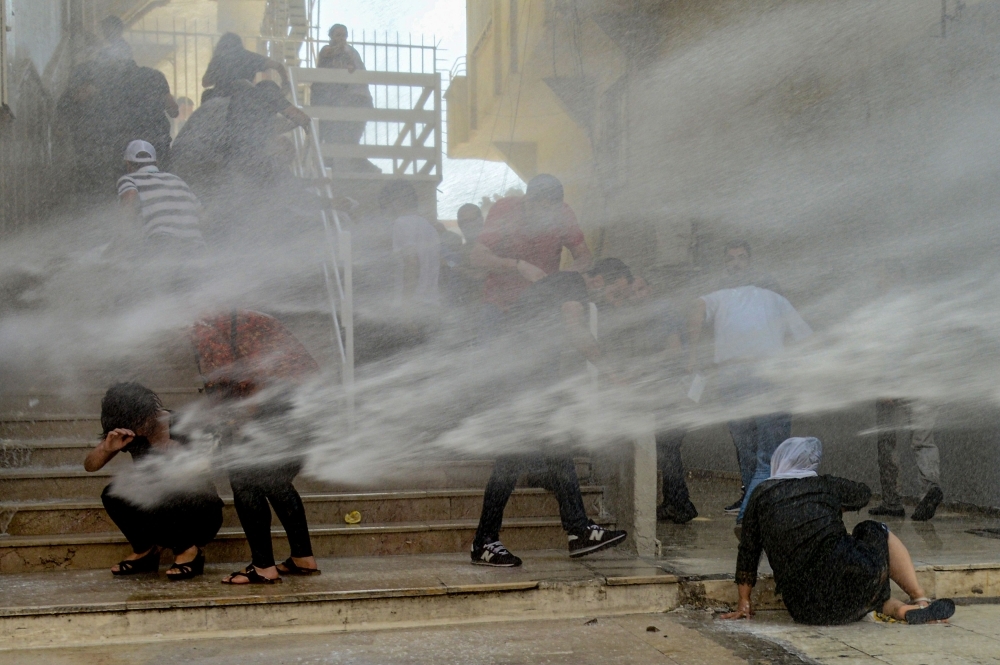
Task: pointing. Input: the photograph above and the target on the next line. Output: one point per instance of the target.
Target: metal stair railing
(338, 274)
(407, 135)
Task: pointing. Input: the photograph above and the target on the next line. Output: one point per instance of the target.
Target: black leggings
(177, 523)
(252, 489)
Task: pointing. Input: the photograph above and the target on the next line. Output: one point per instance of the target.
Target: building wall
(808, 128)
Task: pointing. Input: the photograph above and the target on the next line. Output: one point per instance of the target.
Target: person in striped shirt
(161, 203)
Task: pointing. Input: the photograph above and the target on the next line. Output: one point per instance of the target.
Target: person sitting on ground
(231, 62)
(239, 354)
(550, 312)
(135, 421)
(825, 575)
(161, 203)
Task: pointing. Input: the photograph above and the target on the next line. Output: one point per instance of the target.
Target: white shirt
(751, 323)
(413, 233)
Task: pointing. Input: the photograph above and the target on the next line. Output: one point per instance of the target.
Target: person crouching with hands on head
(825, 575)
(135, 422)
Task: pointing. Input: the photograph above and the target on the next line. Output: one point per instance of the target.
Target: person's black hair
(333, 27)
(400, 191)
(611, 270)
(544, 187)
(112, 27)
(128, 405)
(227, 43)
(469, 207)
(735, 244)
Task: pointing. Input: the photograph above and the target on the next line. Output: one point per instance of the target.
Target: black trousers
(178, 523)
(253, 488)
(671, 467)
(556, 474)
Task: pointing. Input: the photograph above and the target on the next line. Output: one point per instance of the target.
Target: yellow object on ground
(353, 517)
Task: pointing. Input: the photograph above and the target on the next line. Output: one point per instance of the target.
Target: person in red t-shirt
(522, 241)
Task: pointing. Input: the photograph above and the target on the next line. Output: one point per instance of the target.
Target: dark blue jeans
(756, 440)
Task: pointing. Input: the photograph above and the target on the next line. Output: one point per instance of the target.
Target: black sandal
(150, 563)
(253, 577)
(939, 610)
(292, 569)
(188, 570)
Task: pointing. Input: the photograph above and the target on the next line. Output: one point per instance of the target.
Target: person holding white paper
(751, 321)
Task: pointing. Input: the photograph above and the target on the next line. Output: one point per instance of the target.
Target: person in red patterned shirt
(521, 242)
(240, 353)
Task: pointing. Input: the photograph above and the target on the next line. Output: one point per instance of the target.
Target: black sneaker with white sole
(593, 539)
(494, 554)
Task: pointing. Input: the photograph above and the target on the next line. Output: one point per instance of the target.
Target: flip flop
(939, 610)
(253, 577)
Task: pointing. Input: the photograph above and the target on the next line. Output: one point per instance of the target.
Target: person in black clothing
(142, 108)
(135, 422)
(825, 575)
(251, 126)
(230, 63)
(549, 311)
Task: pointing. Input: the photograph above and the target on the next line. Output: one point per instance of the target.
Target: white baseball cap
(140, 152)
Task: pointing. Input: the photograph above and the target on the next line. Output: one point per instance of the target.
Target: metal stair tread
(307, 497)
(230, 533)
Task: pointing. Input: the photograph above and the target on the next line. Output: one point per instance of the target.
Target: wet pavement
(681, 637)
(971, 637)
(602, 641)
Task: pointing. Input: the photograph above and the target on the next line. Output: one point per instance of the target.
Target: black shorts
(873, 540)
(847, 584)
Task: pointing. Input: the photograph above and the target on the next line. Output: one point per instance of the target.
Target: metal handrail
(338, 257)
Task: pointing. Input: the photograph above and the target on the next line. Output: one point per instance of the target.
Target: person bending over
(240, 353)
(135, 421)
(551, 310)
(825, 575)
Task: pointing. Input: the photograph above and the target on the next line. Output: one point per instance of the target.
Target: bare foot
(305, 563)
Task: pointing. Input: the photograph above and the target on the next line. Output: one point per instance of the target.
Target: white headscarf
(797, 457)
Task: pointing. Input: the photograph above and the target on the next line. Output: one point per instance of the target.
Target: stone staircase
(51, 515)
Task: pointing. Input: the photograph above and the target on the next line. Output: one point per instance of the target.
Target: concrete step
(34, 483)
(22, 554)
(55, 518)
(51, 426)
(46, 401)
(41, 453)
(76, 608)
